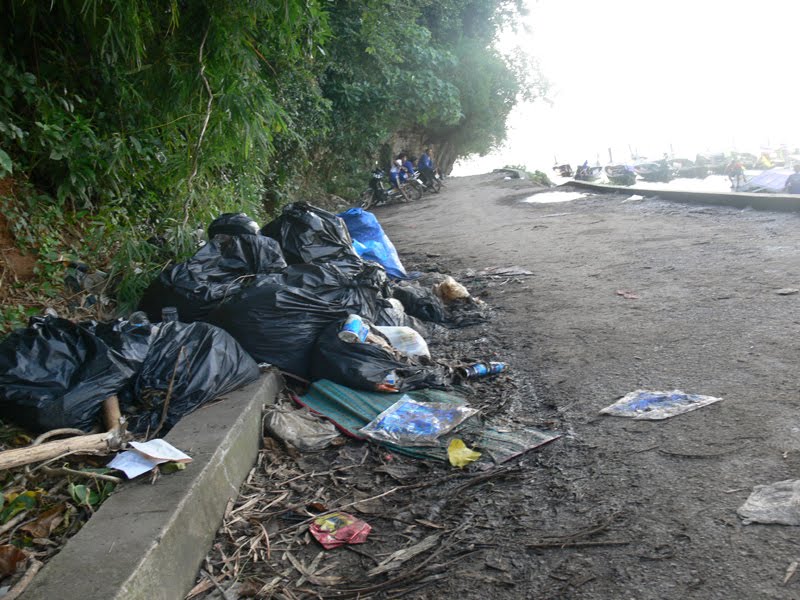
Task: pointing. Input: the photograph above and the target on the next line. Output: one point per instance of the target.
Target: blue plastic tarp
(371, 243)
(772, 181)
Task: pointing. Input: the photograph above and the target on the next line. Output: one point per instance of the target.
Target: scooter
(378, 194)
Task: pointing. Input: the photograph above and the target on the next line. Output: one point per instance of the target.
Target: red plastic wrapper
(337, 529)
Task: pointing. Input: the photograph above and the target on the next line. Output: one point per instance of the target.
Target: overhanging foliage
(126, 120)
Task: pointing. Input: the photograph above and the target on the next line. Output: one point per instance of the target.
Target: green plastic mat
(350, 410)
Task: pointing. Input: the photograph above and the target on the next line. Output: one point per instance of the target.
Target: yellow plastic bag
(460, 456)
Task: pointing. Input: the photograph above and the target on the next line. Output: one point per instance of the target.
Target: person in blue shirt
(793, 181)
(426, 166)
(396, 173)
(408, 165)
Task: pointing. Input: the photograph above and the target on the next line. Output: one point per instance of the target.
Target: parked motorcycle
(379, 193)
(434, 185)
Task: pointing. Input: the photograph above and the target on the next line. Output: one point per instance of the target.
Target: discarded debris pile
(301, 294)
(353, 520)
(395, 498)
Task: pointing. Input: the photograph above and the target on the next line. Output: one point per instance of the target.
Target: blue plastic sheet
(651, 405)
(371, 243)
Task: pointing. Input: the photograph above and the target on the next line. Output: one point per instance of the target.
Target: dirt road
(653, 504)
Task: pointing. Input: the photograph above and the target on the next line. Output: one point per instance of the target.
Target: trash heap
(300, 294)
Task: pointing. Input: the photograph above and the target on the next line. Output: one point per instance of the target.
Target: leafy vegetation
(536, 176)
(126, 125)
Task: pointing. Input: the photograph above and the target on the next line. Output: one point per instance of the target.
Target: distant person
(408, 165)
(396, 173)
(793, 181)
(426, 167)
(735, 172)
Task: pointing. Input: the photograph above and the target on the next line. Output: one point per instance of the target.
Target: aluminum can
(354, 330)
(482, 369)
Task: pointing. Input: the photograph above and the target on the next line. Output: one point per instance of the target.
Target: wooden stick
(111, 413)
(23, 583)
(98, 443)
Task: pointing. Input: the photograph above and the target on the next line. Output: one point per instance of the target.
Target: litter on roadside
(411, 423)
(350, 410)
(628, 294)
(504, 272)
(299, 428)
(775, 503)
(406, 340)
(370, 241)
(651, 405)
(449, 290)
(145, 456)
(787, 291)
(504, 443)
(339, 528)
(459, 454)
(481, 369)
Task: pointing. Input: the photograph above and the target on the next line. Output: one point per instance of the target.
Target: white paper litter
(146, 456)
(775, 503)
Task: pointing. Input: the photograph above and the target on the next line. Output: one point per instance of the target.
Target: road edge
(148, 540)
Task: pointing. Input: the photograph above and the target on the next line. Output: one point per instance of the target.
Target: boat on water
(655, 171)
(564, 170)
(586, 173)
(620, 174)
(686, 168)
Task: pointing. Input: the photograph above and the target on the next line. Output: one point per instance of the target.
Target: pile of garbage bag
(279, 295)
(308, 234)
(56, 374)
(219, 270)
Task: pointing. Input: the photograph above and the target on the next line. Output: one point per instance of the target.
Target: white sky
(701, 75)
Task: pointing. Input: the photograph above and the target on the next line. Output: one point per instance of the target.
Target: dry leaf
(46, 523)
(10, 557)
(249, 589)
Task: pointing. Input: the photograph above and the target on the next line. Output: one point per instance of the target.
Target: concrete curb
(147, 541)
(781, 202)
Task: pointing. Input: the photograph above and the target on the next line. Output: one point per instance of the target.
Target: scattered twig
(13, 522)
(790, 571)
(67, 471)
(222, 590)
(165, 408)
(23, 583)
(577, 544)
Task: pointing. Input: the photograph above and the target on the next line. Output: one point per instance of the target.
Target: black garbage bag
(366, 366)
(217, 271)
(420, 302)
(56, 373)
(232, 224)
(308, 234)
(278, 323)
(206, 363)
(392, 314)
(360, 291)
(128, 339)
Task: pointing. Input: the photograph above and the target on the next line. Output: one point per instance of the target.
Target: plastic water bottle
(482, 369)
(169, 314)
